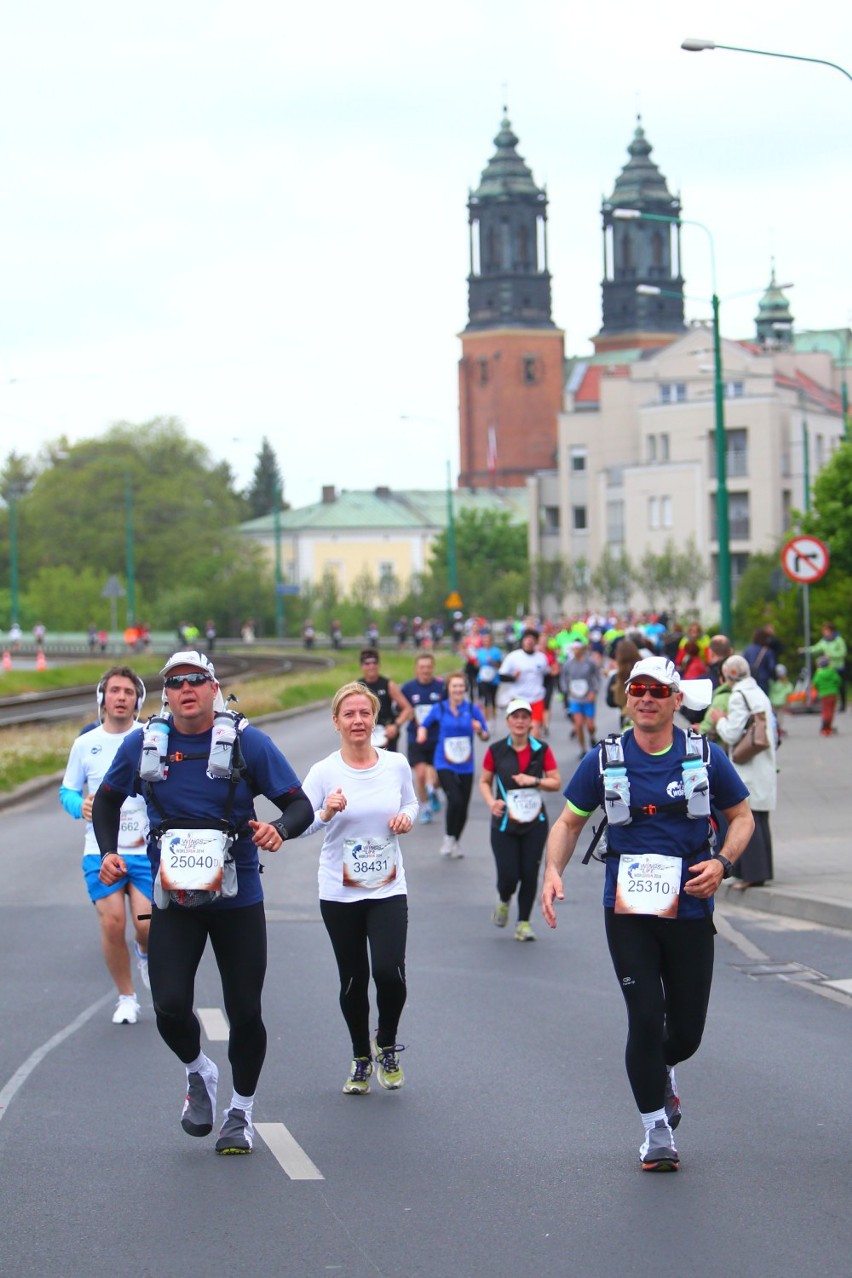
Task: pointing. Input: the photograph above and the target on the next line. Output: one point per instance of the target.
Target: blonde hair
(355, 688)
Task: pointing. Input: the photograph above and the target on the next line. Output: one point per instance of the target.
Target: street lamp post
(452, 560)
(279, 593)
(12, 502)
(702, 46)
(723, 532)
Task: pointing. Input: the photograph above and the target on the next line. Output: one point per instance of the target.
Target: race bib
(378, 737)
(457, 749)
(370, 863)
(420, 712)
(648, 884)
(487, 674)
(578, 688)
(131, 831)
(193, 860)
(523, 805)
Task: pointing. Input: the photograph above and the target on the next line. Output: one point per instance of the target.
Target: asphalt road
(513, 1147)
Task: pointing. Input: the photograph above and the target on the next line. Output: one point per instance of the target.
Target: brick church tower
(511, 368)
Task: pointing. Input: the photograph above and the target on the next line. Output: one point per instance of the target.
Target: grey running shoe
(658, 1151)
(235, 1134)
(358, 1082)
(199, 1107)
(672, 1101)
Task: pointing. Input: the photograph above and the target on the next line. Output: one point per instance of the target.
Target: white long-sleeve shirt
(373, 797)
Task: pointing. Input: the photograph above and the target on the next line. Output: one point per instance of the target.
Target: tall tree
(488, 547)
(267, 487)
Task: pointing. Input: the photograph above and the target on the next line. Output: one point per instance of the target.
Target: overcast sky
(252, 215)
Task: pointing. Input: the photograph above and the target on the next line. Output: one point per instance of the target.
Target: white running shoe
(142, 964)
(448, 845)
(127, 1010)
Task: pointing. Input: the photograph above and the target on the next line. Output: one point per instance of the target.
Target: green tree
(612, 576)
(488, 546)
(549, 578)
(266, 488)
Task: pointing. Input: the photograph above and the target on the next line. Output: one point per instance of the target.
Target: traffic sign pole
(805, 559)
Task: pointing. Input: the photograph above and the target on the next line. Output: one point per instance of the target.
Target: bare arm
(561, 843)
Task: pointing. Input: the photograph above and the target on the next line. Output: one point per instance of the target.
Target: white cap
(697, 693)
(518, 703)
(193, 658)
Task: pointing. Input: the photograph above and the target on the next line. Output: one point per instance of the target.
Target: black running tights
(383, 926)
(518, 856)
(457, 787)
(665, 969)
(175, 945)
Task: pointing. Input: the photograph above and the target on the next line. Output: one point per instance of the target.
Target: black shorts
(421, 753)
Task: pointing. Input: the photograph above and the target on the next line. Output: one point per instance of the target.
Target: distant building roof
(402, 509)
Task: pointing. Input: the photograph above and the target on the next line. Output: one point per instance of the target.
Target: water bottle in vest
(696, 788)
(222, 740)
(617, 795)
(155, 749)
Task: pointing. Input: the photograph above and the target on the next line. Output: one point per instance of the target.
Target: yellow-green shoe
(358, 1082)
(523, 932)
(500, 917)
(388, 1069)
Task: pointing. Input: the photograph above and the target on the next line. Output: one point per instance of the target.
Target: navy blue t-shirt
(189, 793)
(423, 696)
(657, 779)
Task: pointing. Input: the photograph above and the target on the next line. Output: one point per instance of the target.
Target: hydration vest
(503, 753)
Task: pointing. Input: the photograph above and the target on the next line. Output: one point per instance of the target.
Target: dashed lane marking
(288, 1152)
(214, 1024)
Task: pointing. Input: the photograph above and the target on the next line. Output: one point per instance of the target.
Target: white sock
(241, 1102)
(652, 1118)
(131, 996)
(201, 1065)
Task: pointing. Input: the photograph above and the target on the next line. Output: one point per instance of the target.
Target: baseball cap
(190, 658)
(518, 703)
(697, 693)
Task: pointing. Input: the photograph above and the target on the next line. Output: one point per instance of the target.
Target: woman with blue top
(514, 773)
(458, 722)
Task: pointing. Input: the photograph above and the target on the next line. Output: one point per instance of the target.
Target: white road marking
(844, 986)
(21, 1075)
(288, 1152)
(735, 938)
(214, 1024)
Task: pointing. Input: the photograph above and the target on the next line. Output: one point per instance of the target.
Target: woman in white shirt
(364, 799)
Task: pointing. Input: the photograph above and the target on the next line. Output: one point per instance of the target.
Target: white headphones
(141, 694)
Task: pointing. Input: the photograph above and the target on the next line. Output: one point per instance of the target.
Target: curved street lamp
(700, 46)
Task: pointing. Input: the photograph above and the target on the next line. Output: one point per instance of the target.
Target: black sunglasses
(659, 691)
(194, 680)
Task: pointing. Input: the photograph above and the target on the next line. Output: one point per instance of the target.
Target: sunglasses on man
(194, 680)
(659, 691)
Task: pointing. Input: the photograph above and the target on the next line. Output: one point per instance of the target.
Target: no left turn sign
(805, 559)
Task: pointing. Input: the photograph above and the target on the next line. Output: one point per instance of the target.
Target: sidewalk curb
(828, 911)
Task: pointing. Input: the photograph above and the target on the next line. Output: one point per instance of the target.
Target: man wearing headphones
(121, 695)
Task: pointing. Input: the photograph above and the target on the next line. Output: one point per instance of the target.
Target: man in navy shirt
(423, 692)
(188, 808)
(661, 873)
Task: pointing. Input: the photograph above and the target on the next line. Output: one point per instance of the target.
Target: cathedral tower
(511, 369)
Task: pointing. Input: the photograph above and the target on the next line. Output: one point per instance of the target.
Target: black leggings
(665, 969)
(457, 787)
(518, 856)
(175, 945)
(383, 924)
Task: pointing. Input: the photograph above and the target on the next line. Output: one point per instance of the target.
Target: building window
(737, 452)
(483, 371)
(550, 519)
(819, 451)
(578, 459)
(672, 392)
(664, 446)
(739, 518)
(578, 518)
(530, 370)
(615, 522)
(666, 512)
(651, 448)
(739, 563)
(653, 512)
(734, 390)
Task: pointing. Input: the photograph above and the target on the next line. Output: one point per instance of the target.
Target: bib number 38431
(369, 862)
(648, 884)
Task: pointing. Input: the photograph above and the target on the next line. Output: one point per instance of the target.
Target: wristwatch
(727, 866)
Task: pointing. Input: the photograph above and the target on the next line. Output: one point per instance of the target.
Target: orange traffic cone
(41, 663)
(7, 659)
